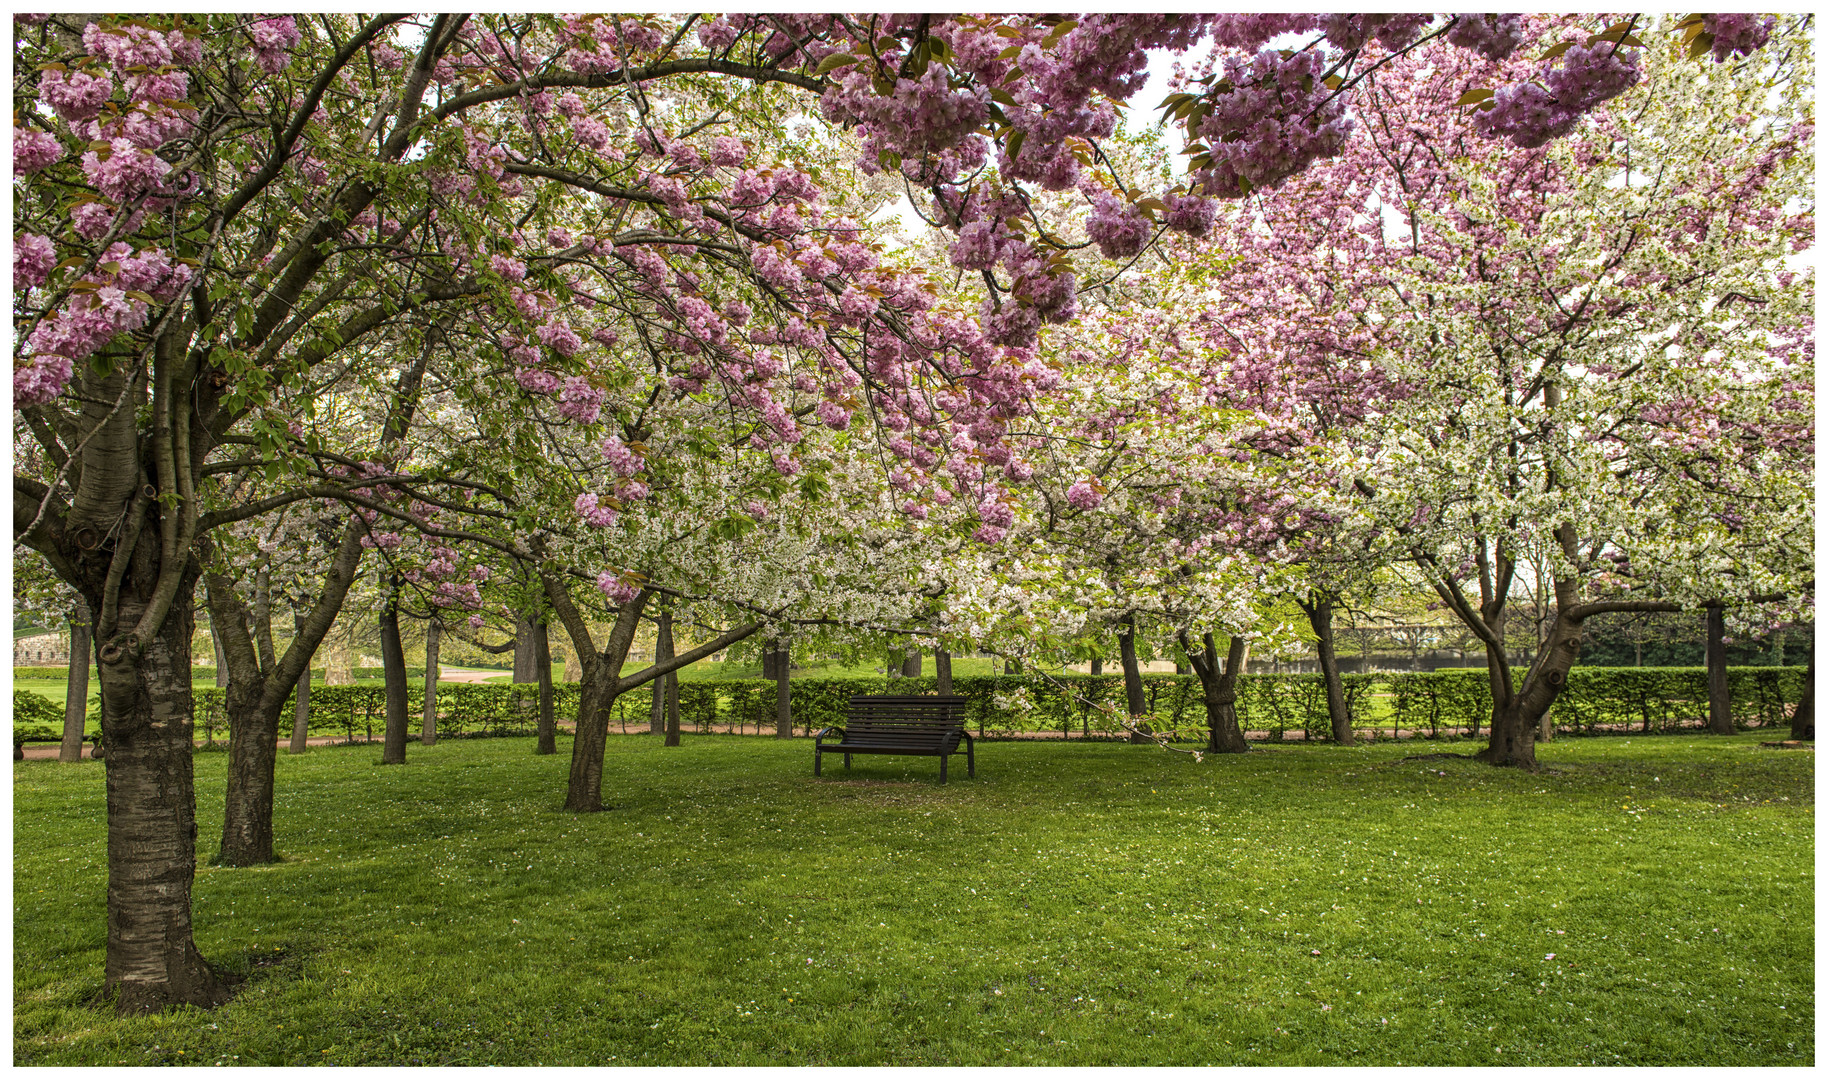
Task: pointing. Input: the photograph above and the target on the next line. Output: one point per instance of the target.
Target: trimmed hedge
(1445, 702)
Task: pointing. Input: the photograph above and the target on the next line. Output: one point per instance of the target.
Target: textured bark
(523, 651)
(428, 725)
(152, 962)
(1319, 609)
(1097, 665)
(671, 680)
(1219, 691)
(301, 713)
(942, 670)
(910, 662)
(76, 693)
(393, 675)
(542, 672)
(783, 696)
(1719, 705)
(215, 639)
(1134, 699)
(1802, 721)
(767, 659)
(663, 651)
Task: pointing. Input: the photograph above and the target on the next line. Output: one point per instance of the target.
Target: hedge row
(197, 674)
(1439, 702)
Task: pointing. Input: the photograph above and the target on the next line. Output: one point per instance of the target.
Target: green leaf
(1059, 31)
(1700, 46)
(1013, 146)
(1475, 96)
(834, 62)
(1556, 50)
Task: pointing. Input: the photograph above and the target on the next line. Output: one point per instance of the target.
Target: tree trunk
(767, 659)
(663, 651)
(1219, 691)
(152, 962)
(301, 713)
(1802, 721)
(1134, 700)
(215, 639)
(523, 651)
(783, 695)
(393, 674)
(942, 670)
(1098, 665)
(1719, 706)
(76, 691)
(542, 670)
(428, 724)
(666, 688)
(1320, 616)
(910, 662)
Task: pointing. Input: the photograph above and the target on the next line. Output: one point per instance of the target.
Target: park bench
(19, 742)
(922, 725)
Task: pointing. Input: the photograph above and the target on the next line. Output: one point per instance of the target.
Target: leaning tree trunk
(393, 675)
(542, 672)
(1134, 699)
(76, 692)
(152, 962)
(942, 670)
(1802, 721)
(1719, 705)
(428, 724)
(1339, 715)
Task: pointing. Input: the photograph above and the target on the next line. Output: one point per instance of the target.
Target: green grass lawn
(1640, 901)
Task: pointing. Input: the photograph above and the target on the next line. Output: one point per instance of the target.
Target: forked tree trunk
(942, 670)
(76, 692)
(152, 962)
(1319, 609)
(1219, 691)
(1135, 701)
(393, 675)
(542, 671)
(1719, 705)
(428, 724)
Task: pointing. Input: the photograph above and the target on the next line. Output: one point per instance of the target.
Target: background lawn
(1640, 901)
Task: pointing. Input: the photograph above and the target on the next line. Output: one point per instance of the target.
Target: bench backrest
(905, 719)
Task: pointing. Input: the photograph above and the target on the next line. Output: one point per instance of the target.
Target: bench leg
(816, 753)
(971, 761)
(942, 768)
(847, 761)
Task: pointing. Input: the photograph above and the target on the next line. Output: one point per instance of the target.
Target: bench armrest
(823, 732)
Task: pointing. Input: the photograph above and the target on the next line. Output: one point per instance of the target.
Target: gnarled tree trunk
(152, 961)
(1219, 691)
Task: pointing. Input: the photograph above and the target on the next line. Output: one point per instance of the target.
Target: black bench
(19, 742)
(923, 725)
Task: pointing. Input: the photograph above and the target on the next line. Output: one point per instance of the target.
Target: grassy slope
(1075, 904)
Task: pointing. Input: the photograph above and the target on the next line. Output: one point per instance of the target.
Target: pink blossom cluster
(1736, 33)
(1083, 495)
(33, 258)
(74, 95)
(34, 151)
(1530, 114)
(624, 460)
(273, 38)
(124, 171)
(1272, 119)
(1118, 228)
(590, 508)
(618, 591)
(1494, 37)
(579, 401)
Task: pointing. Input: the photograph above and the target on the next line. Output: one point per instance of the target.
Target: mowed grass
(1640, 901)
